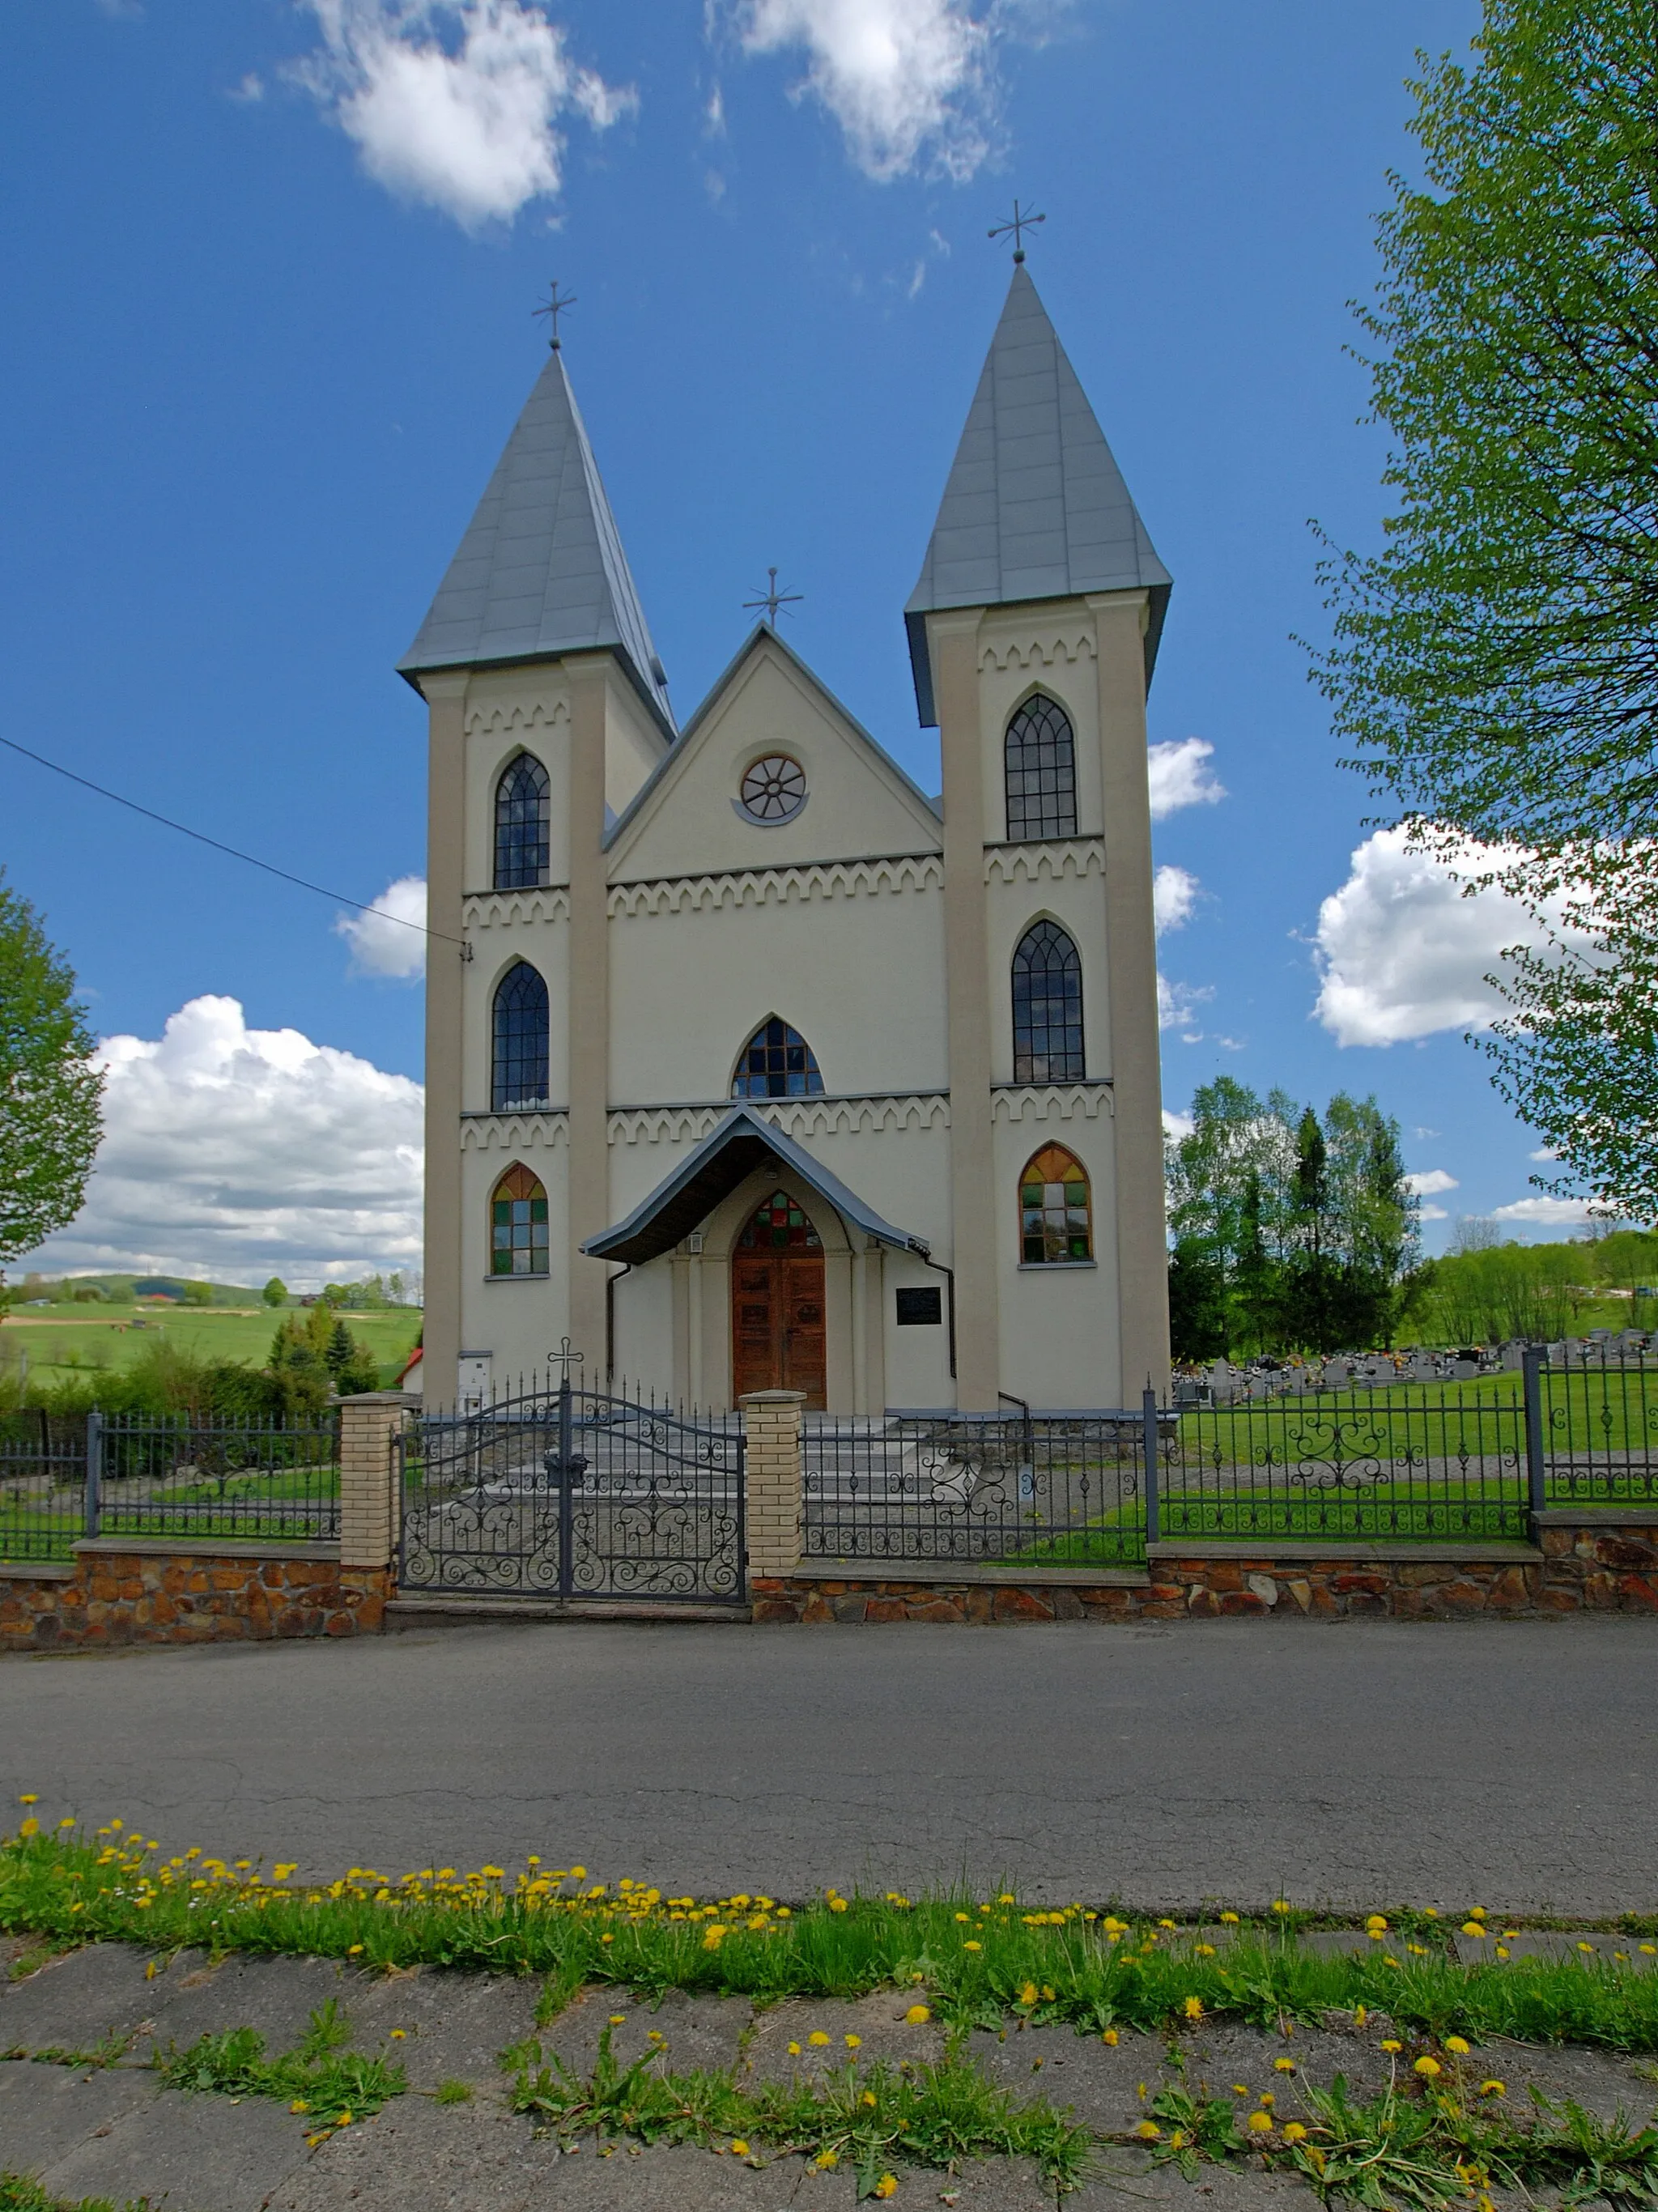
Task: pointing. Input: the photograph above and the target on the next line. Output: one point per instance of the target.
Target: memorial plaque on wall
(920, 1309)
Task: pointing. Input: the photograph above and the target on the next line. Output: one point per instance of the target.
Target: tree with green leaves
(1494, 667)
(50, 1090)
(275, 1292)
(1292, 1231)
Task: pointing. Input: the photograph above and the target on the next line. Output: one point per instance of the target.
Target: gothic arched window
(776, 1062)
(1047, 1007)
(518, 1225)
(1054, 1220)
(1042, 772)
(519, 1077)
(521, 843)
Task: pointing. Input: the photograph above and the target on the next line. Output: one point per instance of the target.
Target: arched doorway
(778, 1337)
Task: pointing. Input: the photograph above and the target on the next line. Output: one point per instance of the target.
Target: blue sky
(270, 323)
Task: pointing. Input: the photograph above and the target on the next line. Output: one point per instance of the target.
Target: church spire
(1035, 506)
(540, 570)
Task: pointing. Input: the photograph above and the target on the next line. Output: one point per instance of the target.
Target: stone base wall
(160, 1594)
(1572, 1569)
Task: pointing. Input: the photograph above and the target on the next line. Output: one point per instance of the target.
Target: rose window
(772, 789)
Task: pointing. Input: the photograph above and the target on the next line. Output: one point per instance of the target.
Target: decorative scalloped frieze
(493, 715)
(515, 1133)
(796, 1117)
(485, 909)
(1051, 1102)
(740, 887)
(1050, 862)
(1035, 652)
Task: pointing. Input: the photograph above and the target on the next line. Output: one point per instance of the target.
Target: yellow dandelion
(1028, 1993)
(618, 2019)
(1193, 2007)
(827, 2159)
(868, 2098)
(1284, 2066)
(794, 2050)
(817, 2037)
(1427, 2068)
(300, 2105)
(886, 2187)
(839, 1904)
(1109, 2036)
(399, 2035)
(1228, 1919)
(1473, 1928)
(1389, 2044)
(1148, 2131)
(1294, 2132)
(1456, 2046)
(973, 1947)
(1493, 2088)
(917, 2014)
(853, 2042)
(1259, 2123)
(739, 2146)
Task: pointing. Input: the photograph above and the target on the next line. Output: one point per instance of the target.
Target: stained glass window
(1042, 772)
(521, 847)
(1054, 1209)
(776, 1062)
(519, 1076)
(517, 1225)
(778, 1225)
(1047, 1007)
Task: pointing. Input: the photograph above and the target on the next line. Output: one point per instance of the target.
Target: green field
(58, 1346)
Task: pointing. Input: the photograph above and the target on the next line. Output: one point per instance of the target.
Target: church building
(756, 1067)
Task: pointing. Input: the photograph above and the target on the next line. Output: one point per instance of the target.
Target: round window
(772, 789)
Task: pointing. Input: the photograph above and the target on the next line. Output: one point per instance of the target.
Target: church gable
(771, 772)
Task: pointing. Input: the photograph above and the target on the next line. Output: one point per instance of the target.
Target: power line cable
(167, 822)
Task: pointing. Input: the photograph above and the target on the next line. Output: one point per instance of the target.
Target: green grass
(983, 1962)
(868, 2118)
(330, 2085)
(19, 2194)
(58, 1348)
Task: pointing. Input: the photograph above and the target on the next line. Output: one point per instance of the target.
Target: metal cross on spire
(771, 598)
(553, 309)
(1016, 230)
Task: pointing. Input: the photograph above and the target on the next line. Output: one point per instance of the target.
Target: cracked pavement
(1350, 1763)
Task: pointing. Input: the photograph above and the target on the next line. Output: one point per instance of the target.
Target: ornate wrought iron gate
(571, 1493)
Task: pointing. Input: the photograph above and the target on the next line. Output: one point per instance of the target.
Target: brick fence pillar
(771, 1429)
(369, 1426)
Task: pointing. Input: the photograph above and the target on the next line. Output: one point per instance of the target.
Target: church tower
(1041, 584)
(535, 649)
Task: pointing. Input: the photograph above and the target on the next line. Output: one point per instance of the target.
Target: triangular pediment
(689, 819)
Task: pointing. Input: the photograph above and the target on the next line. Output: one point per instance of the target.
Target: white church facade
(757, 1068)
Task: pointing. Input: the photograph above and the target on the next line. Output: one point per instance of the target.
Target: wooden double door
(778, 1340)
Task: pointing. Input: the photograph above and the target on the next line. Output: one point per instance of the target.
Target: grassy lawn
(70, 1341)
(1584, 1410)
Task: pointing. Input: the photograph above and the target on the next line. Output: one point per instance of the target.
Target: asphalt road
(1358, 1763)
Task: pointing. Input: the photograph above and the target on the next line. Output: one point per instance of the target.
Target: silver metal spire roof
(540, 570)
(1035, 506)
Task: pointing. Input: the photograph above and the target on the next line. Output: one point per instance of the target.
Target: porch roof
(742, 1141)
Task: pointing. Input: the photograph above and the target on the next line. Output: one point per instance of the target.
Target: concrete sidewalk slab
(77, 2001)
(202, 2153)
(1639, 1952)
(193, 1997)
(455, 2025)
(45, 2110)
(417, 2156)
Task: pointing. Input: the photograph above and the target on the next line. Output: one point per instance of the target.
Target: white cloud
(1177, 1005)
(1180, 776)
(1402, 953)
(250, 91)
(1549, 1213)
(1428, 1183)
(1546, 1152)
(1174, 895)
(121, 11)
(1432, 1213)
(382, 941)
(455, 102)
(237, 1154)
(908, 81)
(1176, 1125)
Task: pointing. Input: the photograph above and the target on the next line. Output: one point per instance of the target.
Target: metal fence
(1027, 1490)
(173, 1475)
(1412, 1463)
(1595, 1414)
(43, 1481)
(163, 1475)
